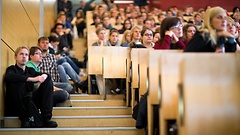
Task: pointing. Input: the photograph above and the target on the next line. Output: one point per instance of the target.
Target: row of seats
(199, 90)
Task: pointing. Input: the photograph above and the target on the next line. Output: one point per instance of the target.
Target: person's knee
(66, 65)
(69, 88)
(61, 61)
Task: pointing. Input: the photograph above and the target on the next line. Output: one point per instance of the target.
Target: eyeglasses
(177, 26)
(38, 53)
(148, 35)
(189, 31)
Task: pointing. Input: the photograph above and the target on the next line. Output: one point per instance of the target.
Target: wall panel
(20, 26)
(49, 15)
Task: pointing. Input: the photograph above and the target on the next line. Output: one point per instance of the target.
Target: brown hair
(19, 49)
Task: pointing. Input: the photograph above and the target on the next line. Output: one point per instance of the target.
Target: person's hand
(67, 30)
(40, 79)
(169, 33)
(174, 38)
(224, 34)
(58, 56)
(65, 48)
(172, 35)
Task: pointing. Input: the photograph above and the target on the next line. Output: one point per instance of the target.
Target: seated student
(35, 57)
(63, 56)
(156, 36)
(188, 32)
(170, 32)
(127, 25)
(119, 20)
(106, 23)
(98, 25)
(64, 42)
(49, 65)
(147, 38)
(197, 19)
(126, 39)
(101, 33)
(212, 35)
(135, 37)
(113, 38)
(231, 28)
(20, 90)
(96, 19)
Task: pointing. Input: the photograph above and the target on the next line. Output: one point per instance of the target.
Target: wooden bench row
(201, 91)
(197, 90)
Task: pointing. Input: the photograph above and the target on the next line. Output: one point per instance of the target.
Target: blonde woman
(126, 39)
(231, 28)
(212, 33)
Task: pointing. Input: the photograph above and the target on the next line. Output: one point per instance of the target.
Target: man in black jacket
(20, 81)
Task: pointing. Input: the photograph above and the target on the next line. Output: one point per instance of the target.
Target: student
(101, 33)
(170, 32)
(127, 25)
(213, 29)
(147, 38)
(135, 37)
(59, 95)
(126, 39)
(188, 32)
(231, 28)
(113, 38)
(57, 72)
(20, 81)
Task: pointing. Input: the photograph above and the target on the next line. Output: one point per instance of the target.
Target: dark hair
(144, 30)
(235, 8)
(166, 24)
(185, 28)
(33, 49)
(112, 31)
(57, 24)
(95, 16)
(123, 28)
(53, 39)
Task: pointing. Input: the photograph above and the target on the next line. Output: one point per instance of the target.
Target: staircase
(90, 115)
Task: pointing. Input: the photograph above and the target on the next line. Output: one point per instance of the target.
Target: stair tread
(74, 128)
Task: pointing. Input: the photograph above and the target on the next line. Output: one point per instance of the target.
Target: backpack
(34, 116)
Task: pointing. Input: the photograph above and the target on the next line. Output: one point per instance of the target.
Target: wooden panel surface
(210, 95)
(95, 56)
(115, 62)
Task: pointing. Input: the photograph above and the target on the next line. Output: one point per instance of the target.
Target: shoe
(116, 91)
(75, 89)
(25, 124)
(50, 124)
(66, 103)
(82, 74)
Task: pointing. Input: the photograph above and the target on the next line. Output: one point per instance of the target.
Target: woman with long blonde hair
(212, 34)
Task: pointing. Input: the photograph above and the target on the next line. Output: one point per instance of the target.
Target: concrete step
(91, 111)
(82, 103)
(73, 131)
(95, 97)
(81, 121)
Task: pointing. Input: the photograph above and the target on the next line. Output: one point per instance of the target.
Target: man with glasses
(59, 95)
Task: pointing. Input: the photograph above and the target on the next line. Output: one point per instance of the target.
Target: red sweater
(166, 44)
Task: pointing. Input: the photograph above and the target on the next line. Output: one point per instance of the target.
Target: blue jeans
(63, 85)
(71, 73)
(60, 96)
(62, 74)
(68, 60)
